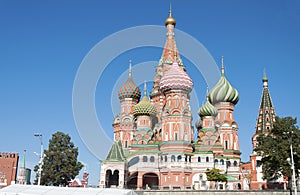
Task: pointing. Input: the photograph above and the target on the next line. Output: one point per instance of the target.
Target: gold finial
(130, 69)
(170, 19)
(145, 88)
(222, 70)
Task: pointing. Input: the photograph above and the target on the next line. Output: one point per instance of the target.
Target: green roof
(232, 179)
(116, 153)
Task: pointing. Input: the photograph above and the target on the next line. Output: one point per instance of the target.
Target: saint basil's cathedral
(154, 145)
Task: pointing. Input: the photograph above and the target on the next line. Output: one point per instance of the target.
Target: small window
(152, 159)
(172, 158)
(166, 159)
(207, 159)
(222, 162)
(126, 144)
(179, 158)
(235, 164)
(228, 164)
(216, 161)
(145, 158)
(199, 159)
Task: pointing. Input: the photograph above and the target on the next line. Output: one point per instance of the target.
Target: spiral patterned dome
(176, 78)
(144, 107)
(207, 109)
(223, 92)
(129, 90)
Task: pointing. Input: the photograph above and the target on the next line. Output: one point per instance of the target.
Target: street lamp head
(37, 135)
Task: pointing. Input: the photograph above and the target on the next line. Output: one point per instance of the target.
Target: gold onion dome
(144, 107)
(129, 89)
(207, 109)
(223, 91)
(170, 19)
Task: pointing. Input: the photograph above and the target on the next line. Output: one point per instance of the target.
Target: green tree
(274, 148)
(215, 175)
(60, 163)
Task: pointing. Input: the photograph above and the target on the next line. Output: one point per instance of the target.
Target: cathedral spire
(266, 115)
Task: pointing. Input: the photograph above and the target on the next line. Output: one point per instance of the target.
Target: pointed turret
(22, 171)
(116, 153)
(266, 115)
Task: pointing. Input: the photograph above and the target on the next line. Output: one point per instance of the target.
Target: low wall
(212, 192)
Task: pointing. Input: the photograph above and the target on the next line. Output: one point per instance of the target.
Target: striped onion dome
(129, 89)
(144, 107)
(176, 78)
(223, 91)
(207, 109)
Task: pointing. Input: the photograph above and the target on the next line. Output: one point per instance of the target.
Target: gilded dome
(129, 90)
(170, 20)
(144, 107)
(207, 109)
(223, 91)
(176, 78)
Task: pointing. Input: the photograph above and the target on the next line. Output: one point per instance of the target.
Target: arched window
(222, 162)
(172, 158)
(179, 158)
(235, 164)
(216, 161)
(152, 159)
(145, 158)
(207, 159)
(161, 158)
(199, 159)
(228, 164)
(166, 159)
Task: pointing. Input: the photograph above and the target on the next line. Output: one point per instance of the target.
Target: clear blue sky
(42, 44)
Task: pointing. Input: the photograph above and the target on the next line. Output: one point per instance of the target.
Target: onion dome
(176, 78)
(129, 89)
(207, 109)
(198, 124)
(170, 19)
(223, 91)
(144, 107)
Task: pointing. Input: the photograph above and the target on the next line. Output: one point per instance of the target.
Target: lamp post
(40, 136)
(293, 167)
(293, 164)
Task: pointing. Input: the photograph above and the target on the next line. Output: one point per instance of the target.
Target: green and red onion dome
(223, 92)
(176, 78)
(144, 107)
(207, 110)
(129, 90)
